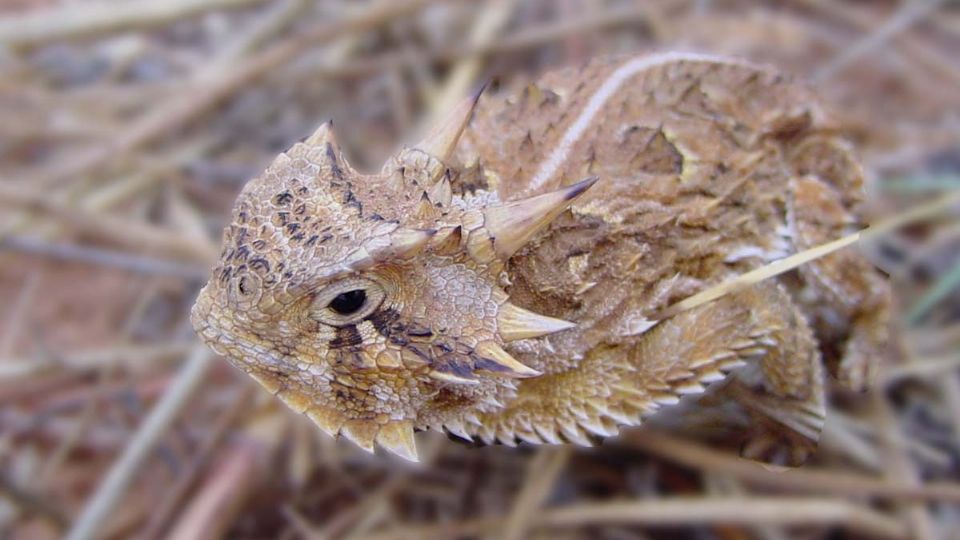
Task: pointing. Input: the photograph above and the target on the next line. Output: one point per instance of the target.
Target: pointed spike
(712, 376)
(494, 359)
(611, 413)
(323, 141)
(446, 376)
(480, 246)
(571, 431)
(689, 387)
(514, 322)
(472, 220)
(271, 383)
(295, 400)
(492, 402)
(578, 410)
(529, 437)
(548, 433)
(360, 432)
(397, 438)
(513, 224)
(329, 421)
(447, 241)
(456, 427)
(487, 435)
(425, 209)
(630, 390)
(442, 141)
(441, 194)
(323, 135)
(320, 148)
(666, 399)
(522, 422)
(610, 425)
(597, 426)
(507, 437)
(621, 416)
(406, 243)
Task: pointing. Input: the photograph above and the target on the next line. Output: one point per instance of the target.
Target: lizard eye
(246, 289)
(347, 301)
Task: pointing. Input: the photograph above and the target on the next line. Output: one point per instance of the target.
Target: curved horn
(514, 322)
(513, 224)
(442, 140)
(325, 139)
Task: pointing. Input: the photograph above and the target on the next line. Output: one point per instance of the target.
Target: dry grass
(128, 130)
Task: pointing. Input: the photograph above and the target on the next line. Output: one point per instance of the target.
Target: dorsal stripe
(548, 168)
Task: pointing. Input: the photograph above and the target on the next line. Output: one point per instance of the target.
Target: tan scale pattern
(508, 267)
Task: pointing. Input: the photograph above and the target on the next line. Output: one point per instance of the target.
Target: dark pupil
(349, 302)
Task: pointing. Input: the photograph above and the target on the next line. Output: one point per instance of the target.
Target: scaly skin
(707, 168)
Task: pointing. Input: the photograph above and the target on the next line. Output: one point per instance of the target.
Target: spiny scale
(513, 224)
(397, 437)
(442, 141)
(496, 360)
(516, 323)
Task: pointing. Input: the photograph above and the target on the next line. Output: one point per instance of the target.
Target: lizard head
(373, 303)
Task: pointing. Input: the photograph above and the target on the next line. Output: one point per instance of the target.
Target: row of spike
(395, 436)
(495, 232)
(508, 226)
(593, 416)
(588, 418)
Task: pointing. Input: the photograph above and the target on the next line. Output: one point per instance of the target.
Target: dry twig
(115, 484)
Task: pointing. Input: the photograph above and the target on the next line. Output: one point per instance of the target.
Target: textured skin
(707, 168)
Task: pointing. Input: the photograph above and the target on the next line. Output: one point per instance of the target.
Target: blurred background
(128, 126)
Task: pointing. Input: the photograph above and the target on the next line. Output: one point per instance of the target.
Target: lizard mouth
(202, 322)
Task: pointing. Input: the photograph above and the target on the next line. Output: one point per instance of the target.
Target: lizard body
(500, 280)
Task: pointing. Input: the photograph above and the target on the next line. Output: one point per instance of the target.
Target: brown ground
(126, 134)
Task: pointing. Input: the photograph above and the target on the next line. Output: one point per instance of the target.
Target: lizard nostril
(349, 302)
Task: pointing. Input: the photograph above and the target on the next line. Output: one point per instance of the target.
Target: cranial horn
(451, 377)
(514, 322)
(400, 244)
(442, 141)
(324, 138)
(513, 224)
(323, 135)
(494, 359)
(406, 243)
(441, 193)
(447, 241)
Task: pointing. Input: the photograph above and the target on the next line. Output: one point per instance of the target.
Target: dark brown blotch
(346, 336)
(283, 199)
(384, 320)
(259, 265)
(486, 364)
(454, 367)
(334, 163)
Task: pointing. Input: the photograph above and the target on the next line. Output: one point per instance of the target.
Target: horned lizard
(500, 280)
